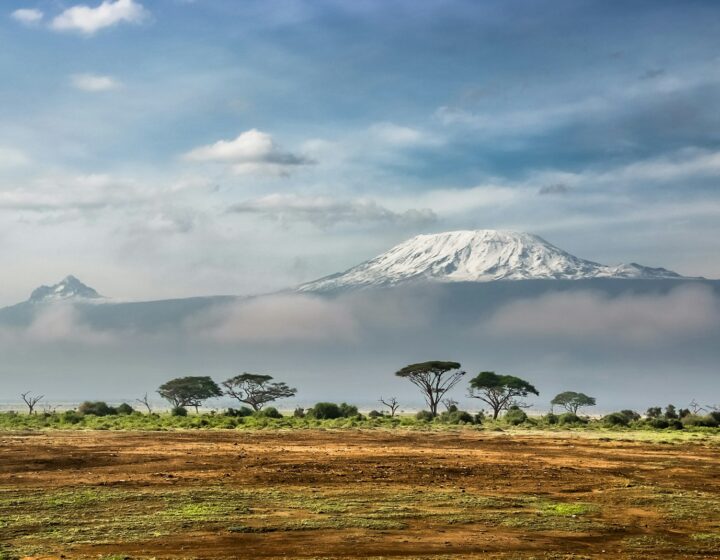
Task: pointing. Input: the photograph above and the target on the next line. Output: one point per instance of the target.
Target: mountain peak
(68, 288)
(477, 256)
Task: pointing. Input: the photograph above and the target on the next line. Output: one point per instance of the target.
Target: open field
(459, 493)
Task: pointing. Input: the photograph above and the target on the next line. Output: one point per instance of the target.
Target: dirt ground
(356, 494)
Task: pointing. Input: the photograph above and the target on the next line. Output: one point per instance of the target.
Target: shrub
(515, 416)
(375, 414)
(550, 418)
(715, 414)
(455, 417)
(348, 410)
(70, 417)
(570, 419)
(299, 412)
(96, 408)
(329, 411)
(658, 423)
(480, 417)
(700, 421)
(179, 411)
(125, 409)
(631, 415)
(241, 412)
(616, 419)
(269, 412)
(424, 416)
(325, 411)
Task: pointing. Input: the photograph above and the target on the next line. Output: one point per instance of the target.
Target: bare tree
(145, 402)
(31, 401)
(696, 407)
(392, 403)
(450, 404)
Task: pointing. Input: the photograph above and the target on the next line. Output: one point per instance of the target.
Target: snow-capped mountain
(477, 256)
(69, 288)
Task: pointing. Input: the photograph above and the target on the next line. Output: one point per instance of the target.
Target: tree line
(434, 379)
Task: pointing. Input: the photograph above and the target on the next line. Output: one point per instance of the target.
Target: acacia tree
(392, 403)
(434, 379)
(189, 391)
(572, 401)
(256, 390)
(500, 392)
(31, 401)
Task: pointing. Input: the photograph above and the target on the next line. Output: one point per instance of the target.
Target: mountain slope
(476, 256)
(68, 288)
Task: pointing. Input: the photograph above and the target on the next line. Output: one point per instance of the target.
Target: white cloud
(636, 318)
(11, 157)
(27, 16)
(67, 192)
(396, 135)
(88, 21)
(324, 211)
(55, 324)
(277, 318)
(94, 83)
(252, 152)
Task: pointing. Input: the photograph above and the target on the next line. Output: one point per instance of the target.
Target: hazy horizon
(184, 148)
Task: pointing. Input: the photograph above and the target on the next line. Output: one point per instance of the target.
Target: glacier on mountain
(477, 256)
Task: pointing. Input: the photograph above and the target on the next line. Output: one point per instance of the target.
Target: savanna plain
(455, 492)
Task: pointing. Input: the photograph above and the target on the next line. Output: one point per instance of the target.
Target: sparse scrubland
(327, 493)
(330, 481)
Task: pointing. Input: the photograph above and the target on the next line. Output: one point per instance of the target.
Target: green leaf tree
(189, 391)
(572, 401)
(500, 392)
(434, 379)
(256, 390)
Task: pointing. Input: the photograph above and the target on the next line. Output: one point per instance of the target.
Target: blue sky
(177, 147)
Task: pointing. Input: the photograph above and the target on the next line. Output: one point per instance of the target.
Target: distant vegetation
(504, 395)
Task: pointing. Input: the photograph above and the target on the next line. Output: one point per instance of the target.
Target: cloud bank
(325, 211)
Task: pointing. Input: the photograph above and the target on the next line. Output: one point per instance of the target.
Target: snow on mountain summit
(477, 256)
(68, 288)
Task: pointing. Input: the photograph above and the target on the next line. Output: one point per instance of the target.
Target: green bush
(658, 423)
(325, 411)
(299, 412)
(550, 418)
(241, 412)
(70, 417)
(694, 420)
(616, 419)
(125, 409)
(456, 417)
(424, 416)
(179, 411)
(269, 412)
(570, 419)
(348, 410)
(96, 408)
(375, 414)
(631, 415)
(330, 411)
(515, 416)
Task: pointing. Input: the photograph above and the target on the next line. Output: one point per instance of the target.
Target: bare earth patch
(355, 494)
